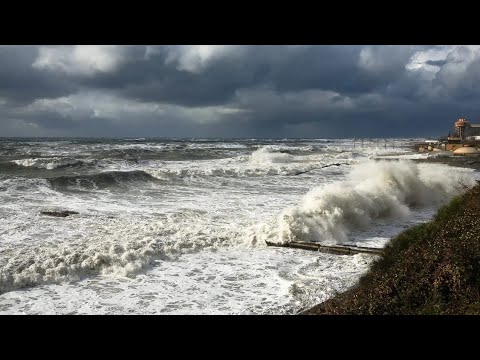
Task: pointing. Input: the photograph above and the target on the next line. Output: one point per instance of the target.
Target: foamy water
(178, 226)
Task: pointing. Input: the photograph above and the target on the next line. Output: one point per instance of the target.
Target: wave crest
(265, 155)
(373, 190)
(101, 180)
(50, 163)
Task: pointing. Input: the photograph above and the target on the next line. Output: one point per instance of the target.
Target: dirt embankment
(432, 268)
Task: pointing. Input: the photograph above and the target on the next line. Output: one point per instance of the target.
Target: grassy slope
(433, 268)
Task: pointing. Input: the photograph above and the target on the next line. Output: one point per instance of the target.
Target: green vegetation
(432, 268)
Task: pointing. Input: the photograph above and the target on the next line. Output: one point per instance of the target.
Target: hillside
(432, 268)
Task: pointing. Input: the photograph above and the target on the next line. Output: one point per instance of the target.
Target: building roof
(466, 150)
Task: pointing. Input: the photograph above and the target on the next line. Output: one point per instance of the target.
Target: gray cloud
(20, 82)
(319, 91)
(438, 63)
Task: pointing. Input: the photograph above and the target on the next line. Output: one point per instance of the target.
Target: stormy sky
(237, 91)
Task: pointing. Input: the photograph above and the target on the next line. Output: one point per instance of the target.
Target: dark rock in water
(63, 213)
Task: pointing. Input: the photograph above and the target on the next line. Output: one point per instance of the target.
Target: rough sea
(178, 226)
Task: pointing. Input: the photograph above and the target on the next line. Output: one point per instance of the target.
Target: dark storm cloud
(325, 91)
(283, 68)
(20, 82)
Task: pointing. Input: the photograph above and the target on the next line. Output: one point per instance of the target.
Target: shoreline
(457, 161)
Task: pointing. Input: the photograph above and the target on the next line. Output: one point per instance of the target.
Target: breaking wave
(127, 248)
(373, 190)
(265, 155)
(49, 265)
(51, 163)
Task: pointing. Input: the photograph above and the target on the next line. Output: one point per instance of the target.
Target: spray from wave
(266, 155)
(373, 190)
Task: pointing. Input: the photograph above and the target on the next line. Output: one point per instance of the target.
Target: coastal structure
(464, 130)
(466, 151)
(464, 141)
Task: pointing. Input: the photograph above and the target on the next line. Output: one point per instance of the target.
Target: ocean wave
(128, 245)
(49, 265)
(9, 166)
(373, 190)
(52, 163)
(166, 153)
(101, 180)
(265, 155)
(121, 247)
(244, 170)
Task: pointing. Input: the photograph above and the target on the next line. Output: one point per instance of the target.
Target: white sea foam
(373, 190)
(266, 155)
(120, 248)
(213, 211)
(228, 281)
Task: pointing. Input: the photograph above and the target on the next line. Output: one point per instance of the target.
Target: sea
(179, 226)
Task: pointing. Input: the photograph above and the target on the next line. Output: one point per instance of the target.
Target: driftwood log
(63, 213)
(329, 249)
